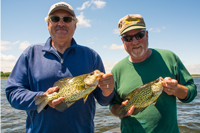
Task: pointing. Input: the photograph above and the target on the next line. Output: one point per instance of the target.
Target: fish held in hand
(72, 89)
(142, 97)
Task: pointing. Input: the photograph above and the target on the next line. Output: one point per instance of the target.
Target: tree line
(5, 75)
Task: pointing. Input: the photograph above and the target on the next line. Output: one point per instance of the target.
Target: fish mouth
(92, 85)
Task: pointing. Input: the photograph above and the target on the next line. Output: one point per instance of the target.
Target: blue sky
(172, 25)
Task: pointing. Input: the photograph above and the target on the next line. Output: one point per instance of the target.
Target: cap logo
(132, 20)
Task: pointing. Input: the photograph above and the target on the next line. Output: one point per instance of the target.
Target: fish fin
(85, 98)
(41, 101)
(61, 81)
(121, 112)
(154, 103)
(63, 106)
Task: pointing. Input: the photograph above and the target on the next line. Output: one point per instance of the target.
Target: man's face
(137, 49)
(61, 31)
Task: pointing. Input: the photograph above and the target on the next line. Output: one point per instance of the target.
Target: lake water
(14, 121)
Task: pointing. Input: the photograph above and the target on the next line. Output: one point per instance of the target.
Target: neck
(61, 46)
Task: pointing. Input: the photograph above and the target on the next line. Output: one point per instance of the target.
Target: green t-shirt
(161, 118)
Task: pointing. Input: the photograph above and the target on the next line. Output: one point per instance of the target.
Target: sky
(172, 24)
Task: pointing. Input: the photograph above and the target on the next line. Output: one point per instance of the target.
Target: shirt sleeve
(18, 91)
(184, 78)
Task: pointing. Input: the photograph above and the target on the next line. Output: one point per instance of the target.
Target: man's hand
(106, 84)
(130, 111)
(56, 101)
(171, 87)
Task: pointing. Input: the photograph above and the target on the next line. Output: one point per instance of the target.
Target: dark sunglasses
(66, 19)
(138, 36)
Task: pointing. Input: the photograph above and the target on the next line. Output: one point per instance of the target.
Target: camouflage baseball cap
(131, 22)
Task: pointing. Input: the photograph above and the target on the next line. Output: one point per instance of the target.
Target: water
(13, 120)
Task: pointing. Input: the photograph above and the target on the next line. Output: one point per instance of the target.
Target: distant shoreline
(193, 75)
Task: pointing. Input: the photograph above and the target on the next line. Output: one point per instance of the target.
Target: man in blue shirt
(40, 66)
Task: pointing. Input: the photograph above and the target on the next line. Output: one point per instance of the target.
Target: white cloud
(7, 62)
(194, 69)
(83, 22)
(4, 48)
(24, 45)
(99, 3)
(7, 66)
(150, 29)
(15, 42)
(109, 65)
(5, 42)
(158, 30)
(86, 4)
(115, 46)
(8, 58)
(115, 31)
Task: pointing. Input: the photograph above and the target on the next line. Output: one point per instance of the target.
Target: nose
(135, 41)
(61, 22)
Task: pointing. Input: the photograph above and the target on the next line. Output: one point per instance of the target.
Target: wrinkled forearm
(114, 108)
(182, 92)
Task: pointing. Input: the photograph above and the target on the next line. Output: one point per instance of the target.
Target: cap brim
(132, 28)
(61, 8)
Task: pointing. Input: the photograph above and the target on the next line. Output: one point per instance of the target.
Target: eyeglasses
(138, 36)
(56, 19)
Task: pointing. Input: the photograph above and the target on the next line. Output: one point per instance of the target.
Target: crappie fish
(72, 88)
(142, 97)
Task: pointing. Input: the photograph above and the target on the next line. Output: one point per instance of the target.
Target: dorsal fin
(64, 80)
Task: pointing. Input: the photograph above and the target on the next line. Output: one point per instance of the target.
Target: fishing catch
(142, 97)
(72, 88)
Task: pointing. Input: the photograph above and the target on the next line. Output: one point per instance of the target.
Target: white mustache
(137, 46)
(61, 27)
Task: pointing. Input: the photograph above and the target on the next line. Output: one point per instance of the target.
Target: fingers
(106, 84)
(56, 101)
(51, 90)
(124, 103)
(170, 85)
(106, 81)
(130, 111)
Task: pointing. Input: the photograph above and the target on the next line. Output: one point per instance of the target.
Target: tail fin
(41, 101)
(121, 112)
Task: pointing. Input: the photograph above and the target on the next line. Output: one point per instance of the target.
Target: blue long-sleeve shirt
(36, 70)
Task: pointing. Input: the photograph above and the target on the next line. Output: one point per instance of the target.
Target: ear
(147, 33)
(48, 23)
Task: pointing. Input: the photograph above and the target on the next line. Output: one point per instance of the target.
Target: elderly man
(143, 65)
(40, 66)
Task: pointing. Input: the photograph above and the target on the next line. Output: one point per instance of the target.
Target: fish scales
(141, 97)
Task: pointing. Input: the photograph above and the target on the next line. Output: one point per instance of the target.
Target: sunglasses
(138, 36)
(56, 19)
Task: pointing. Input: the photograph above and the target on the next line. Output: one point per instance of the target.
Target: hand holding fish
(130, 111)
(56, 101)
(106, 84)
(171, 87)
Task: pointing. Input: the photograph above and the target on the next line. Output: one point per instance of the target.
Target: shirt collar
(48, 47)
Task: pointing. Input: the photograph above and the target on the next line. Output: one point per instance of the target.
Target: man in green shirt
(143, 65)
